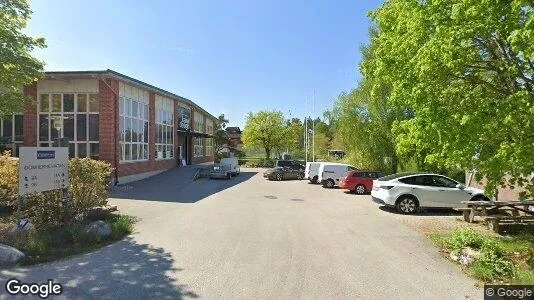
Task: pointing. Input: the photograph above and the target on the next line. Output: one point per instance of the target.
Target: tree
(465, 68)
(220, 137)
(17, 67)
(266, 129)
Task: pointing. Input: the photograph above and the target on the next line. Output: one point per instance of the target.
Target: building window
(133, 130)
(209, 147)
(199, 122)
(209, 127)
(164, 130)
(198, 149)
(11, 133)
(73, 116)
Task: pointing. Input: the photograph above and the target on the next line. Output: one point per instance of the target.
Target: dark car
(291, 164)
(282, 173)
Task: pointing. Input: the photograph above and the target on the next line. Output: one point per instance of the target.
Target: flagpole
(313, 126)
(306, 130)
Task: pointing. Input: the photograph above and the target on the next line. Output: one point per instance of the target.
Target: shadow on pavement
(436, 212)
(176, 185)
(124, 270)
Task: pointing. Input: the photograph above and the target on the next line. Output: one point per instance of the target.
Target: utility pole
(306, 130)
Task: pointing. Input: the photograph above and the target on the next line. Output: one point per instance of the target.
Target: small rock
(9, 255)
(100, 228)
(23, 225)
(468, 256)
(453, 256)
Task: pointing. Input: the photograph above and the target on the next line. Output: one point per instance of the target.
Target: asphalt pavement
(249, 238)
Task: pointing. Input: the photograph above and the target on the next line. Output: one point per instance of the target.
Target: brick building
(138, 128)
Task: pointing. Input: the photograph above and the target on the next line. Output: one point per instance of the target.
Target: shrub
(465, 237)
(9, 179)
(88, 180)
(491, 266)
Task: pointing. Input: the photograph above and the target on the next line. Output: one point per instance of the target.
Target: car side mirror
(460, 186)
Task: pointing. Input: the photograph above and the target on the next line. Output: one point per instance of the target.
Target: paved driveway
(249, 238)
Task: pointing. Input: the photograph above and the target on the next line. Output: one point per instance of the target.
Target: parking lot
(252, 238)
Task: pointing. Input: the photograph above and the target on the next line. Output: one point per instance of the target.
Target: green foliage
(257, 163)
(266, 129)
(465, 237)
(463, 72)
(88, 181)
(17, 67)
(56, 243)
(510, 259)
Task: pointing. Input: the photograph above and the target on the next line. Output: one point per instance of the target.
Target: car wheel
(279, 176)
(329, 183)
(229, 176)
(300, 176)
(314, 180)
(360, 189)
(407, 205)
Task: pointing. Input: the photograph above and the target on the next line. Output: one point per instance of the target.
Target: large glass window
(11, 132)
(73, 116)
(198, 148)
(164, 133)
(133, 130)
(209, 147)
(199, 122)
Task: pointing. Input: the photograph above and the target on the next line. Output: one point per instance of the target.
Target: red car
(359, 181)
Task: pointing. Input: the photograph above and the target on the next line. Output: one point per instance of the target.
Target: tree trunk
(394, 163)
(267, 153)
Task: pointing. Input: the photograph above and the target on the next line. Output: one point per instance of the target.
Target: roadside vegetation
(57, 229)
(490, 258)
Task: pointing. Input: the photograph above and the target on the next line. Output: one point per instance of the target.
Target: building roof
(128, 79)
(233, 129)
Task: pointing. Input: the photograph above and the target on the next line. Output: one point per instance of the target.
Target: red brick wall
(108, 121)
(30, 117)
(505, 194)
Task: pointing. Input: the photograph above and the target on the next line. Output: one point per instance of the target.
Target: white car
(312, 171)
(408, 192)
(331, 173)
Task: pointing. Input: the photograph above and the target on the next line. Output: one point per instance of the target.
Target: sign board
(184, 119)
(43, 169)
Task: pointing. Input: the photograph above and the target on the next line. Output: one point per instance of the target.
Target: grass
(59, 243)
(503, 259)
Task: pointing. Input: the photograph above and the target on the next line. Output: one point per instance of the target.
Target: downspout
(115, 155)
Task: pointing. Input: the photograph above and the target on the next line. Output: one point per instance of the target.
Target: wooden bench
(469, 213)
(494, 222)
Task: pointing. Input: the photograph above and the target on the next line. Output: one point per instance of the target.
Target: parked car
(359, 181)
(331, 173)
(221, 171)
(312, 171)
(282, 173)
(233, 163)
(408, 192)
(290, 163)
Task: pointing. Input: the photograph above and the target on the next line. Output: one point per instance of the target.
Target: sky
(229, 57)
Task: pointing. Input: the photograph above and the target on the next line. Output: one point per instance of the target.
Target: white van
(312, 171)
(330, 173)
(233, 163)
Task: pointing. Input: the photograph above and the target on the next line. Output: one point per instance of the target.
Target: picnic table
(495, 212)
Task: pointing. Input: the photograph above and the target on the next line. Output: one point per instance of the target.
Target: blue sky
(230, 57)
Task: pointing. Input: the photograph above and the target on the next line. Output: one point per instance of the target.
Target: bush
(88, 180)
(465, 237)
(257, 163)
(9, 179)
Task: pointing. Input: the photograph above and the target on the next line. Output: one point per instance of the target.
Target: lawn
(503, 259)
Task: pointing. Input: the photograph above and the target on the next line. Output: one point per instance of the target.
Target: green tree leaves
(267, 130)
(465, 67)
(17, 67)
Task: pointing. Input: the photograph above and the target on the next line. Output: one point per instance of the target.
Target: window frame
(126, 112)
(49, 113)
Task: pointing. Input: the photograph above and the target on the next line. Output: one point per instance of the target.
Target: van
(331, 173)
(312, 171)
(233, 163)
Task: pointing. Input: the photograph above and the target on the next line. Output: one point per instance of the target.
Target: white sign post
(43, 169)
